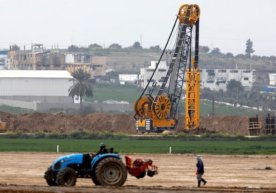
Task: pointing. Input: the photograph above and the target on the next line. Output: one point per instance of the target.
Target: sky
(225, 24)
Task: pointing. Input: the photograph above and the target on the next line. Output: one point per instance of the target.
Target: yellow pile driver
(156, 108)
(2, 126)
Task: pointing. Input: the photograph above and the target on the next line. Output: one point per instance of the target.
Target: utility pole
(213, 105)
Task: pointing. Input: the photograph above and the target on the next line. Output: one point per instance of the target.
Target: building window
(162, 70)
(210, 72)
(209, 81)
(162, 79)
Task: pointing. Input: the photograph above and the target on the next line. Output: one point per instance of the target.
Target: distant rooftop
(35, 74)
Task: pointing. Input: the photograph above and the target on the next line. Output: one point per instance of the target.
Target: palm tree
(81, 86)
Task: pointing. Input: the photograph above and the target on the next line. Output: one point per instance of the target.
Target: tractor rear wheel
(50, 177)
(111, 172)
(66, 177)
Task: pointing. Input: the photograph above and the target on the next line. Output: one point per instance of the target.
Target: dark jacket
(200, 167)
(102, 151)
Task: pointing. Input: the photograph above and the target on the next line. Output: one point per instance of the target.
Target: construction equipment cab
(156, 108)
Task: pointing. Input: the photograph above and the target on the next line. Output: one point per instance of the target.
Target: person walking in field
(200, 171)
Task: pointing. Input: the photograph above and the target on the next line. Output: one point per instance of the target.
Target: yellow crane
(156, 108)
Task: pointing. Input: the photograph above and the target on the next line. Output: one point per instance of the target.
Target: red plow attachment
(139, 167)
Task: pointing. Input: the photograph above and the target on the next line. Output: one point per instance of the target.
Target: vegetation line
(127, 144)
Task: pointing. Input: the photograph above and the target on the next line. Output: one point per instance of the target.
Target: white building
(217, 79)
(69, 59)
(128, 78)
(3, 59)
(45, 83)
(272, 79)
(146, 73)
(214, 79)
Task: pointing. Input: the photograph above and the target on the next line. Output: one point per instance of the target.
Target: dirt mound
(226, 124)
(46, 122)
(59, 122)
(237, 125)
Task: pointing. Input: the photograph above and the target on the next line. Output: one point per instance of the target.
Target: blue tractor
(104, 169)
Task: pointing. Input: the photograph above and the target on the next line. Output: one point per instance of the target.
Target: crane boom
(156, 108)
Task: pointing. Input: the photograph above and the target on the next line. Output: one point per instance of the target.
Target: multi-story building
(145, 73)
(272, 79)
(217, 79)
(214, 79)
(128, 79)
(95, 65)
(98, 66)
(37, 58)
(271, 88)
(3, 59)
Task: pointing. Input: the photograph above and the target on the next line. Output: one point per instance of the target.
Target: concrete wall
(51, 106)
(101, 107)
(41, 99)
(17, 103)
(97, 107)
(44, 107)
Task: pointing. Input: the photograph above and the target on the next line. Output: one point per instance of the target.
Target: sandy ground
(176, 173)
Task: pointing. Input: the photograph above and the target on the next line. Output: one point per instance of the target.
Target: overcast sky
(226, 24)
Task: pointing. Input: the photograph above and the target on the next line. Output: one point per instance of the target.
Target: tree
(73, 48)
(81, 86)
(14, 47)
(215, 51)
(115, 46)
(137, 45)
(204, 49)
(234, 88)
(241, 56)
(249, 48)
(229, 55)
(155, 48)
(95, 47)
(233, 84)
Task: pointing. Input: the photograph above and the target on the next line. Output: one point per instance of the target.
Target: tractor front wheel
(111, 172)
(66, 177)
(50, 177)
(94, 179)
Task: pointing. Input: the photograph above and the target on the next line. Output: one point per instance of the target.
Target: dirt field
(23, 172)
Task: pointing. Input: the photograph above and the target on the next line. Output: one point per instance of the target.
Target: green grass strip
(139, 146)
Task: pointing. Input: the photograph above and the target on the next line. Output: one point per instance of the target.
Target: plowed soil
(23, 173)
(59, 123)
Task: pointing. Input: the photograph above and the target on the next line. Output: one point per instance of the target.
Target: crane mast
(192, 110)
(156, 108)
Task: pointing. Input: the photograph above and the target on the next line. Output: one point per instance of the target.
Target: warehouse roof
(35, 74)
